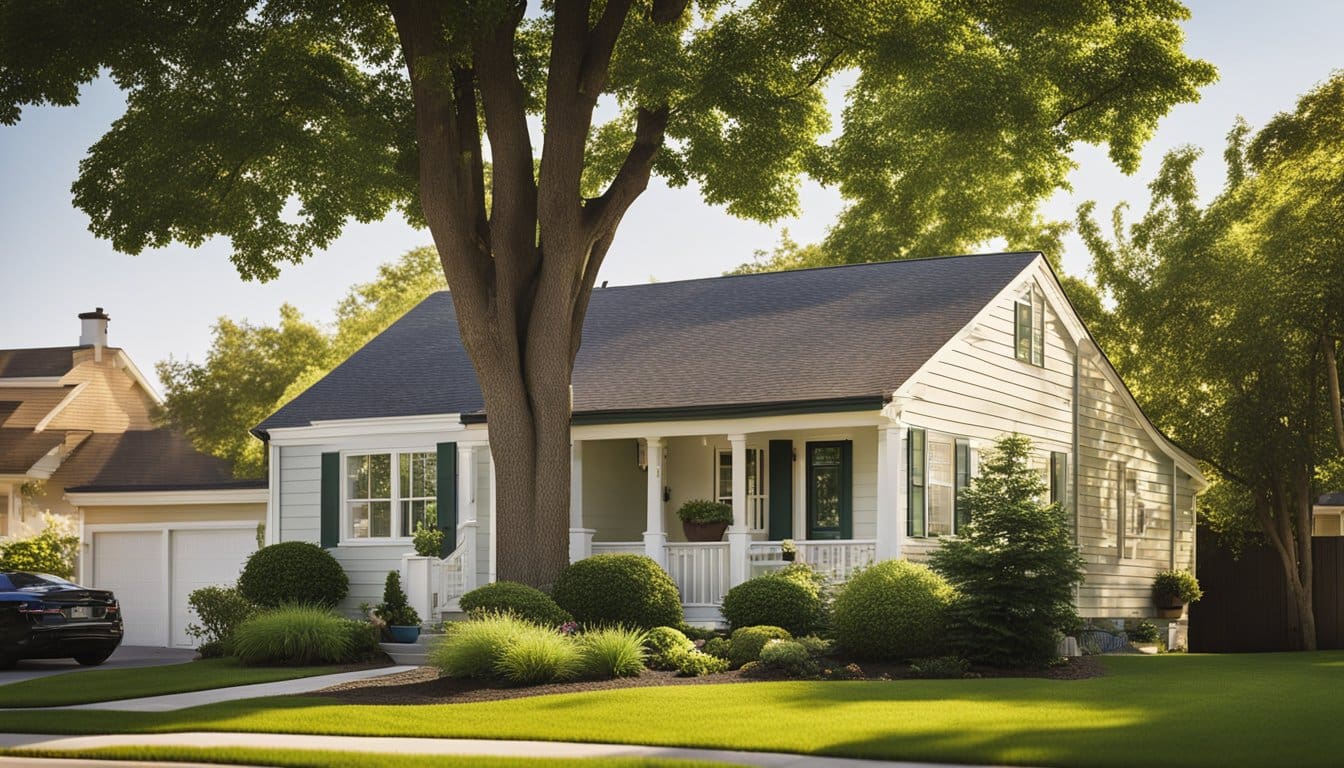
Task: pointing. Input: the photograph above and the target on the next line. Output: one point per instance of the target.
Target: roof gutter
(723, 411)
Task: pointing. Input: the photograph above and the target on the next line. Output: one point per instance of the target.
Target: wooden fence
(1246, 607)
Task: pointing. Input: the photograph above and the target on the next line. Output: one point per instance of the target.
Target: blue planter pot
(404, 634)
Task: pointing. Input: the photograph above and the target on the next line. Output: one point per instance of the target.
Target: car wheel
(93, 659)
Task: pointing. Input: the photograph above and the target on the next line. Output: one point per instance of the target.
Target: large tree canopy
(274, 122)
(1233, 314)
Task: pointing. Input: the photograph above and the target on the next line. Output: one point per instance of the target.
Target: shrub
(474, 647)
(294, 635)
(705, 511)
(1143, 632)
(519, 599)
(219, 610)
(395, 611)
(612, 652)
(772, 601)
(697, 633)
(363, 639)
(789, 657)
(427, 540)
(630, 590)
(940, 668)
(892, 610)
(718, 646)
(1179, 584)
(804, 575)
(1014, 565)
(695, 664)
(536, 655)
(293, 572)
(815, 646)
(747, 643)
(664, 643)
(52, 551)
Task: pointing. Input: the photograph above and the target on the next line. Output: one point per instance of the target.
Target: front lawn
(87, 687)
(301, 758)
(1188, 710)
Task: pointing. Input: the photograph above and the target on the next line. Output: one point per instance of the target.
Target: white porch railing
(618, 547)
(837, 560)
(700, 570)
(456, 573)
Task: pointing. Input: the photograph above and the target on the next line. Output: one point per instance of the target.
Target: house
(1327, 515)
(841, 407)
(157, 519)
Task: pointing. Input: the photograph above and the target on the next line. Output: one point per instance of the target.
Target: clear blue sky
(163, 302)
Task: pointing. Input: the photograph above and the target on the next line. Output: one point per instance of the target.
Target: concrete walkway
(466, 747)
(125, 657)
(175, 701)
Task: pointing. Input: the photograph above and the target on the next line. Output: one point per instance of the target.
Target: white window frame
(398, 536)
(1034, 300)
(929, 483)
(758, 504)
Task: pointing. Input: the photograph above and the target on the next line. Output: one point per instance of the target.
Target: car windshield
(19, 580)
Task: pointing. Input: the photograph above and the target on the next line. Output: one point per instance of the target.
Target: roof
(42, 362)
(825, 337)
(1334, 499)
(28, 406)
(145, 460)
(20, 449)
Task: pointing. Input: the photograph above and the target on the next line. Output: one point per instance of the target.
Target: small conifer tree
(1014, 565)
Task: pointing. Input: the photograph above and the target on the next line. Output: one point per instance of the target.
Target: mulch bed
(424, 686)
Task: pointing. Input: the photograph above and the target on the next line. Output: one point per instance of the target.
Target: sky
(164, 302)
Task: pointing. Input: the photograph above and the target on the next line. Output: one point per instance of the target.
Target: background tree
(252, 370)
(1014, 565)
(273, 122)
(1233, 313)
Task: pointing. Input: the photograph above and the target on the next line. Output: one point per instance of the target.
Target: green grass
(1167, 710)
(300, 758)
(112, 684)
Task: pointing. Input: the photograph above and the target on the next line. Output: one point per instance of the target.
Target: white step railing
(457, 571)
(700, 570)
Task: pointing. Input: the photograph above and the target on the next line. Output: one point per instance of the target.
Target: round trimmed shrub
(746, 643)
(293, 572)
(894, 610)
(630, 590)
(772, 601)
(789, 657)
(521, 600)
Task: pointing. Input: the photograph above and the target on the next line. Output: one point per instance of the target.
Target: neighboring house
(157, 519)
(840, 407)
(1327, 515)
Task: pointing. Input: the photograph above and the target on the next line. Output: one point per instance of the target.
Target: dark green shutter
(446, 481)
(781, 489)
(331, 500)
(914, 456)
(962, 481)
(847, 490)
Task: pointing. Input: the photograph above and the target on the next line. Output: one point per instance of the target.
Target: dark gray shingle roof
(145, 460)
(830, 334)
(40, 362)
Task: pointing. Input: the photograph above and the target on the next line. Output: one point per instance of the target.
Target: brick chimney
(93, 331)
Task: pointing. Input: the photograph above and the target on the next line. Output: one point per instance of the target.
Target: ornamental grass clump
(537, 655)
(612, 652)
(295, 635)
(1014, 565)
(473, 648)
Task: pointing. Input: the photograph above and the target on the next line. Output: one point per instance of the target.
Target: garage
(154, 568)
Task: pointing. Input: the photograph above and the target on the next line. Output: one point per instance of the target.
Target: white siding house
(842, 408)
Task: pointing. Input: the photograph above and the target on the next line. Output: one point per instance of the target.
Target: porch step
(411, 653)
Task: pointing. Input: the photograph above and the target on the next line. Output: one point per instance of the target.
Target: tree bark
(1285, 517)
(1332, 384)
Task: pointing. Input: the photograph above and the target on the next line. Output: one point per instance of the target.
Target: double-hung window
(384, 504)
(1029, 327)
(938, 469)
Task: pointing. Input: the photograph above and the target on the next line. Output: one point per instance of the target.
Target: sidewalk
(174, 701)
(468, 747)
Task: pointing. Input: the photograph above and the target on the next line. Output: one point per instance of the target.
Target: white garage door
(130, 563)
(204, 558)
(134, 565)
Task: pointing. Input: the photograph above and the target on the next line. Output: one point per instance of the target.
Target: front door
(830, 489)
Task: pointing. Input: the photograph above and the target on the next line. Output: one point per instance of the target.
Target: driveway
(125, 657)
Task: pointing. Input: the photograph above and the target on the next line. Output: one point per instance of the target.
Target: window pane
(359, 520)
(1038, 329)
(753, 466)
(357, 477)
(940, 462)
(1023, 331)
(828, 455)
(429, 476)
(380, 519)
(404, 473)
(825, 497)
(380, 476)
(940, 510)
(725, 477)
(413, 514)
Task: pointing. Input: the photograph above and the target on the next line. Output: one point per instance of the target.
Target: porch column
(739, 535)
(491, 570)
(580, 538)
(890, 508)
(655, 537)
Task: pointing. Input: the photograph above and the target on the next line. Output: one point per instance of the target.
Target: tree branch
(604, 213)
(1066, 114)
(1332, 382)
(596, 60)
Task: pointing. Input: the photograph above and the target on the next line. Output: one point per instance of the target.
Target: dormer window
(1029, 331)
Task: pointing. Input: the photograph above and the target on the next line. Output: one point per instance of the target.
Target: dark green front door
(830, 480)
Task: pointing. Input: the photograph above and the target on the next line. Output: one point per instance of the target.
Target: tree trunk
(1286, 521)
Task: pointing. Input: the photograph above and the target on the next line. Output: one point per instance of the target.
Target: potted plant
(403, 623)
(704, 520)
(788, 551)
(427, 540)
(1172, 591)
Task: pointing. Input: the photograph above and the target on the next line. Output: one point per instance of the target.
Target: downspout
(1077, 451)
(1175, 473)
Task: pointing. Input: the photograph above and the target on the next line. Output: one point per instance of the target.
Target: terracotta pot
(1168, 606)
(703, 531)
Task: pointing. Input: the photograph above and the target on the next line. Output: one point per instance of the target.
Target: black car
(47, 617)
